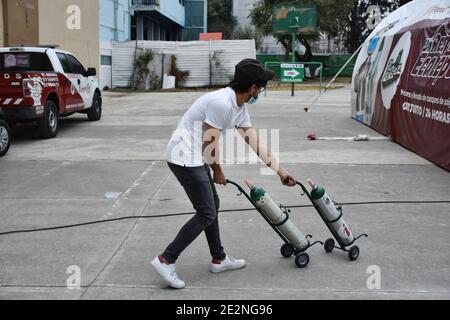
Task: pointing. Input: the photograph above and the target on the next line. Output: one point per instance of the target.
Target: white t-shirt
(218, 109)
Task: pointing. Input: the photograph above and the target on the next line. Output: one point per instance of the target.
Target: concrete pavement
(115, 168)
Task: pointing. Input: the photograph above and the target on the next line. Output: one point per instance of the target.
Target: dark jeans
(199, 187)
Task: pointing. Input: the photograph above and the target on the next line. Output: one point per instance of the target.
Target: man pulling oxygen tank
(193, 151)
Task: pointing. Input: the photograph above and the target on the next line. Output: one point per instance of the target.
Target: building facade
(115, 25)
(168, 20)
(73, 25)
(2, 27)
(158, 20)
(89, 27)
(196, 19)
(85, 27)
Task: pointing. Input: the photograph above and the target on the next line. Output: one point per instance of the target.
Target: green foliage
(332, 21)
(331, 13)
(141, 66)
(248, 33)
(333, 16)
(180, 76)
(357, 20)
(343, 19)
(220, 17)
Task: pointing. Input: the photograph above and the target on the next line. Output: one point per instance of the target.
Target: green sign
(292, 72)
(294, 17)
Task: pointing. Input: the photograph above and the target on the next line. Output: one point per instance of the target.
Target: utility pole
(116, 20)
(293, 61)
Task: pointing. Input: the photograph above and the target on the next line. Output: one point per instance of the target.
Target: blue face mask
(253, 100)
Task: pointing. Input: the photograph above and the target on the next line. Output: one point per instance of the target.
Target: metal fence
(210, 63)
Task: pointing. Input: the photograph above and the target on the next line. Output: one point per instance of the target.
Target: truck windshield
(24, 61)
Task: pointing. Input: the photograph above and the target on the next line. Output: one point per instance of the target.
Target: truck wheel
(329, 245)
(286, 250)
(302, 260)
(49, 124)
(5, 138)
(95, 112)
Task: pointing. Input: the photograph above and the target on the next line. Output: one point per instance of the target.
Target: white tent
(401, 79)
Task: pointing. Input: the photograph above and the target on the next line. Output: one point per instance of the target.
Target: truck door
(68, 92)
(71, 82)
(82, 82)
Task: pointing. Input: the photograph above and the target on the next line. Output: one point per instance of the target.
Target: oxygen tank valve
(249, 184)
(312, 184)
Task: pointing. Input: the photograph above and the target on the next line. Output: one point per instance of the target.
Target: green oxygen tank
(274, 213)
(329, 212)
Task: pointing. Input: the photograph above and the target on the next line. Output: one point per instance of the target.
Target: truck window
(64, 63)
(25, 61)
(75, 65)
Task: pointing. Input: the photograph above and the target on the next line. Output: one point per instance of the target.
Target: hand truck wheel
(329, 245)
(302, 260)
(353, 253)
(286, 250)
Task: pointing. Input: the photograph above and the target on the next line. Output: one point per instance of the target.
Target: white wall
(192, 56)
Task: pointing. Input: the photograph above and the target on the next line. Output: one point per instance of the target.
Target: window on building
(195, 20)
(106, 60)
(133, 28)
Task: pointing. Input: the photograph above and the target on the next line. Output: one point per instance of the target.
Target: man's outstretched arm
(265, 154)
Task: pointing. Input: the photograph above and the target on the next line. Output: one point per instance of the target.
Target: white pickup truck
(41, 84)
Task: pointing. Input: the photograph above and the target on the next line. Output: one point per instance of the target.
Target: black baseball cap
(250, 71)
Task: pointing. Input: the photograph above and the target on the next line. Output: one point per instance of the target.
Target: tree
(142, 72)
(344, 19)
(358, 28)
(220, 17)
(333, 20)
(248, 33)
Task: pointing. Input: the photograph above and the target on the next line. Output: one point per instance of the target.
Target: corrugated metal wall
(209, 63)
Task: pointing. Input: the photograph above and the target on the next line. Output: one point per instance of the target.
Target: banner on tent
(402, 78)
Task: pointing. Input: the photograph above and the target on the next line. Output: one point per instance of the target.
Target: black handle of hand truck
(362, 235)
(305, 191)
(234, 183)
(242, 192)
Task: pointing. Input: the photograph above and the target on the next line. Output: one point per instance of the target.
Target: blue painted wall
(174, 10)
(115, 20)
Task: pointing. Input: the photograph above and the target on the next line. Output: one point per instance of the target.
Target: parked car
(5, 135)
(41, 84)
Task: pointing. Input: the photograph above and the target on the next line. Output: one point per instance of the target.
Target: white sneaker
(168, 273)
(229, 263)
